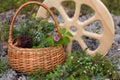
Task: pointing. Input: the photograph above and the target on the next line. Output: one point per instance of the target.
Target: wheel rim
(101, 14)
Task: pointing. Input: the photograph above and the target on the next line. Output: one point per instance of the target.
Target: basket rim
(32, 49)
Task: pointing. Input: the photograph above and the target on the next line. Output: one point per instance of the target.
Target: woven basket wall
(27, 60)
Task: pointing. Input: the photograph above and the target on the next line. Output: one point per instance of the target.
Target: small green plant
(65, 36)
(4, 30)
(37, 75)
(56, 40)
(80, 66)
(3, 65)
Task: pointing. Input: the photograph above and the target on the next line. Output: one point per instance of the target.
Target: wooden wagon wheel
(101, 14)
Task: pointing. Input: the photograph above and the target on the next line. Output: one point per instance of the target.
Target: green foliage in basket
(81, 66)
(32, 27)
(65, 36)
(56, 40)
(39, 30)
(43, 33)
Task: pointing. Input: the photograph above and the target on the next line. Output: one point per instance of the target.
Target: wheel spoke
(92, 35)
(82, 43)
(63, 13)
(69, 47)
(62, 24)
(77, 12)
(87, 22)
(91, 52)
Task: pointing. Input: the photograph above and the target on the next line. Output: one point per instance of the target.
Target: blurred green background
(5, 5)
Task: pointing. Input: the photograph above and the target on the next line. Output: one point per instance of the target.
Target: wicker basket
(27, 60)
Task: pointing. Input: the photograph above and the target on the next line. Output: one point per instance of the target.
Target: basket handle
(28, 3)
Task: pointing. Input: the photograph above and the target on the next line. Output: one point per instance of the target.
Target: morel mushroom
(24, 41)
